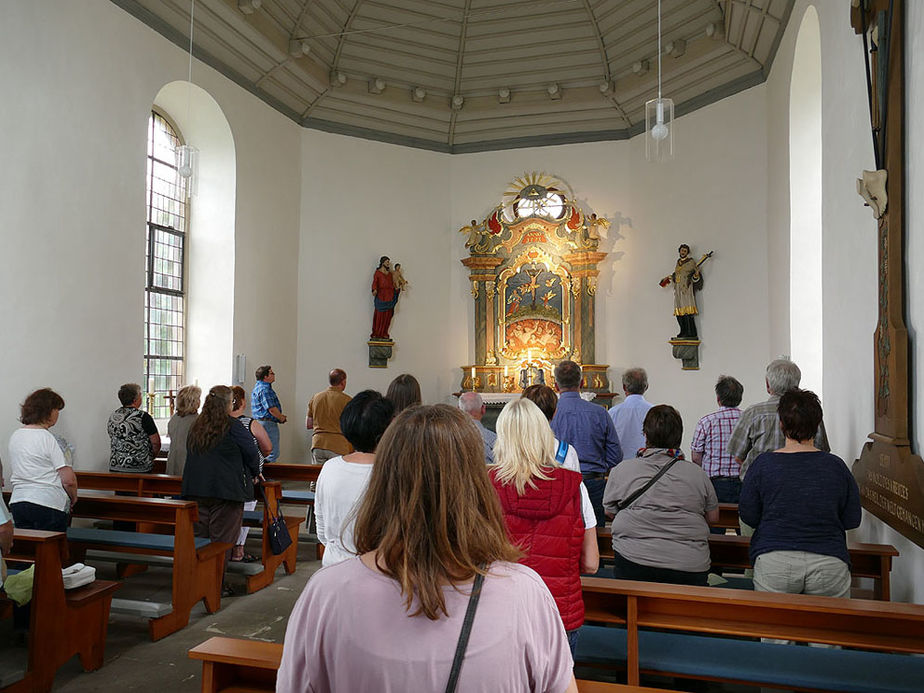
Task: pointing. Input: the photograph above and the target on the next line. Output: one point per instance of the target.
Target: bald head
(337, 378)
(472, 404)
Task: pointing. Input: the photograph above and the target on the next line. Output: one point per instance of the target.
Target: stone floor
(134, 663)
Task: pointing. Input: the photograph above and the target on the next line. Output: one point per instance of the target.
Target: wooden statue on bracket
(686, 279)
(890, 475)
(387, 284)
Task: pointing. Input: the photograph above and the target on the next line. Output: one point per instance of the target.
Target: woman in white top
(44, 486)
(343, 479)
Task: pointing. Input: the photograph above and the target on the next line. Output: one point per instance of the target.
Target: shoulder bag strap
(462, 645)
(562, 452)
(622, 505)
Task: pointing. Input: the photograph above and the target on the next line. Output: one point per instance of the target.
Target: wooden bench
(304, 473)
(62, 622)
(730, 552)
(197, 562)
(148, 485)
(230, 664)
(672, 629)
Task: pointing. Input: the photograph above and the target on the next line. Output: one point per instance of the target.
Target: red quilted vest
(546, 523)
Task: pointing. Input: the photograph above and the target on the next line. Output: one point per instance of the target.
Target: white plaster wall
(362, 200)
(210, 246)
(81, 79)
(712, 196)
(849, 242)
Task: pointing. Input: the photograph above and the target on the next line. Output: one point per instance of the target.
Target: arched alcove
(210, 262)
(805, 171)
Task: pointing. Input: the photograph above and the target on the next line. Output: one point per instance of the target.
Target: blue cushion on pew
(253, 516)
(298, 496)
(134, 540)
(737, 582)
(748, 660)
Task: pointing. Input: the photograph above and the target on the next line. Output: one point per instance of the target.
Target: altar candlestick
(505, 370)
(473, 378)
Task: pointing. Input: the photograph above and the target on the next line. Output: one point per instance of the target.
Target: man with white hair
(472, 404)
(758, 430)
(629, 414)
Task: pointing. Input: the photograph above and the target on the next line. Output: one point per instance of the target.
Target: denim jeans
(595, 489)
(727, 490)
(572, 639)
(272, 430)
(33, 516)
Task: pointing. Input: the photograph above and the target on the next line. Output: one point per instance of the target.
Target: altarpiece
(533, 267)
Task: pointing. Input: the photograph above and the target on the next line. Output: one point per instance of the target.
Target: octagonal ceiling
(475, 75)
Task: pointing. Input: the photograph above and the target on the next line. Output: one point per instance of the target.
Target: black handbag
(277, 530)
(279, 538)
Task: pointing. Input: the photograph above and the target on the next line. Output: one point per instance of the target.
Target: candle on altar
(473, 376)
(505, 370)
(529, 356)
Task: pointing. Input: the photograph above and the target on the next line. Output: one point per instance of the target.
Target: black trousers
(624, 569)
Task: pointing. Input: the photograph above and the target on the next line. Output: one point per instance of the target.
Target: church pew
(62, 622)
(165, 485)
(728, 516)
(304, 473)
(730, 552)
(197, 562)
(673, 630)
(230, 664)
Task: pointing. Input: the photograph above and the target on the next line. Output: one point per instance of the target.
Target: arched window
(805, 176)
(164, 269)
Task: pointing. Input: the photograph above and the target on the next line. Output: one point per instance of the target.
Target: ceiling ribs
(341, 39)
(607, 75)
(296, 30)
(457, 83)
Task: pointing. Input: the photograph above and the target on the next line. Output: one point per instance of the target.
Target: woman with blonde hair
(221, 464)
(543, 507)
(187, 408)
(433, 554)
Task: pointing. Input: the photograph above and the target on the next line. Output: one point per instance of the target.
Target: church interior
(330, 133)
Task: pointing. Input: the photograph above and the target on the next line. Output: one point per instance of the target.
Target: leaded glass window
(165, 263)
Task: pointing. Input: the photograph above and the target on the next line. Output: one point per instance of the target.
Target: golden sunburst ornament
(535, 194)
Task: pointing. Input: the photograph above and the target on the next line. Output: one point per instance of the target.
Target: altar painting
(533, 304)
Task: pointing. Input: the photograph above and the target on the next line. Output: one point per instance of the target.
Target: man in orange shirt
(324, 411)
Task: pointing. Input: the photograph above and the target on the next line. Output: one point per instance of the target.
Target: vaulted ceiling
(474, 75)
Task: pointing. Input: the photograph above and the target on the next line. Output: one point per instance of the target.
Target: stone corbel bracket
(379, 352)
(687, 351)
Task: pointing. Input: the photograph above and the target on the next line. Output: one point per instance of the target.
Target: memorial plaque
(891, 481)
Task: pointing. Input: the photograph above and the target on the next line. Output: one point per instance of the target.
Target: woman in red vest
(542, 508)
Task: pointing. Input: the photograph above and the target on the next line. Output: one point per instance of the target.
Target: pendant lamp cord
(192, 14)
(659, 50)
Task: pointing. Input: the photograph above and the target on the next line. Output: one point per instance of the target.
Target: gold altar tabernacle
(533, 271)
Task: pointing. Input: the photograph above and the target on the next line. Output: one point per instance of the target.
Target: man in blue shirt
(589, 429)
(264, 404)
(629, 415)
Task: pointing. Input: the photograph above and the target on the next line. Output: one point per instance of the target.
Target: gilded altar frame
(538, 229)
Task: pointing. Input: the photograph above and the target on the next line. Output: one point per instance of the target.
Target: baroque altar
(533, 263)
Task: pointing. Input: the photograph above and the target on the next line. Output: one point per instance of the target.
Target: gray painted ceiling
(390, 69)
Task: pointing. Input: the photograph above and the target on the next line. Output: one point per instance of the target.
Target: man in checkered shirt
(710, 442)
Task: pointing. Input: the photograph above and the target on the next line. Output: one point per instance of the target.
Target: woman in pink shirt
(433, 547)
